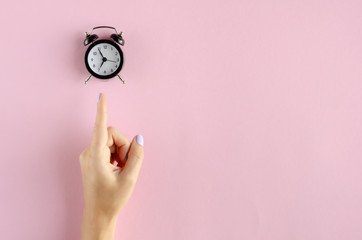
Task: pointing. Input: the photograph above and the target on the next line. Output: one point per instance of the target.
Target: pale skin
(108, 180)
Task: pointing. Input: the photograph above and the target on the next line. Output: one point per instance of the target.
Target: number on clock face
(107, 64)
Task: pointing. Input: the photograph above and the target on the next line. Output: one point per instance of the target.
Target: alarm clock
(103, 58)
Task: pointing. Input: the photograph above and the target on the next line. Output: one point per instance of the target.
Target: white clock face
(104, 59)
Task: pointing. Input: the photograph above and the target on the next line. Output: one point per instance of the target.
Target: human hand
(108, 180)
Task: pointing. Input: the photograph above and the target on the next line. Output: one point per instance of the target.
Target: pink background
(251, 112)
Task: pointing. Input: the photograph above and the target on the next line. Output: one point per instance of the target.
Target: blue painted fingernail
(139, 139)
(99, 95)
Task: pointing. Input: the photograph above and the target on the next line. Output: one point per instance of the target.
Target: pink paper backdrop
(251, 112)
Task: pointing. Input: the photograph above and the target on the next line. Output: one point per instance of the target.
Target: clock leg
(88, 79)
(120, 78)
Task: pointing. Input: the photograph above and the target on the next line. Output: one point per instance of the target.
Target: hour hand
(100, 52)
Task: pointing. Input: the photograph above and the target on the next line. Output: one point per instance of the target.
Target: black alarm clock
(104, 58)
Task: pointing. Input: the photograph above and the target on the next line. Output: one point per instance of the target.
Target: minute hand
(101, 66)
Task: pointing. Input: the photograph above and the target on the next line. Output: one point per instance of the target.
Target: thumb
(135, 158)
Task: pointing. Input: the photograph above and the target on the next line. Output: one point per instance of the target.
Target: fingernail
(115, 163)
(139, 139)
(99, 95)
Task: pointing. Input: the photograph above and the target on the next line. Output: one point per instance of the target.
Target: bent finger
(118, 142)
(135, 158)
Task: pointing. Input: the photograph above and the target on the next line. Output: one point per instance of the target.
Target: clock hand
(100, 52)
(100, 66)
(111, 60)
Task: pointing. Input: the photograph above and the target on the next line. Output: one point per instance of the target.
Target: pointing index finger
(100, 133)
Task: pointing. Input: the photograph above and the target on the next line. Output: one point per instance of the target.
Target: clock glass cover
(104, 59)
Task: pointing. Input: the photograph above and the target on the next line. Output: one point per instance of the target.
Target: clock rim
(120, 62)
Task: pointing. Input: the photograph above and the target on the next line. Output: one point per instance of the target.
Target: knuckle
(84, 155)
(111, 128)
(130, 180)
(139, 155)
(81, 156)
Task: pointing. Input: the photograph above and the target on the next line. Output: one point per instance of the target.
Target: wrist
(97, 225)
